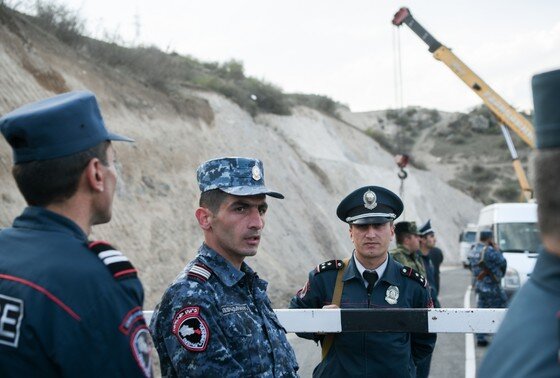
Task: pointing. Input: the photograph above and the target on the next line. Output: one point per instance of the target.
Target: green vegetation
(168, 71)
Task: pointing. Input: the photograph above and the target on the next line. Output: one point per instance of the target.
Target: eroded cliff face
(312, 159)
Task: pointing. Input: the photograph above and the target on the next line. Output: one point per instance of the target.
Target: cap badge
(370, 200)
(392, 295)
(256, 172)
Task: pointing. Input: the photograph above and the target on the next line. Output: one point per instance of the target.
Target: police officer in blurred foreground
(215, 320)
(488, 267)
(528, 341)
(408, 244)
(69, 307)
(370, 278)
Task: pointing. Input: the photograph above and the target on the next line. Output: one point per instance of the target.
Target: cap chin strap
(371, 215)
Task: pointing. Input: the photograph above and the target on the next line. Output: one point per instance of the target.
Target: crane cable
(400, 159)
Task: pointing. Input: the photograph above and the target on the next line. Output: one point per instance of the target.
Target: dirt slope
(313, 159)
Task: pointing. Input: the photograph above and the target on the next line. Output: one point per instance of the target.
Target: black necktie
(371, 279)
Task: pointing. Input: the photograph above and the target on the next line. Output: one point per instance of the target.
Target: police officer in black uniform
(68, 306)
(370, 278)
(528, 341)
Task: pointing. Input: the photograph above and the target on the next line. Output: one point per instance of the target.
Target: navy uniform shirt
(217, 321)
(527, 343)
(62, 312)
(369, 354)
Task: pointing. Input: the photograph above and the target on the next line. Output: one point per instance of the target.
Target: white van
(517, 235)
(467, 238)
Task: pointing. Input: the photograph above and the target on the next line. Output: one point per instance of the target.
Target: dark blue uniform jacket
(62, 313)
(527, 342)
(369, 354)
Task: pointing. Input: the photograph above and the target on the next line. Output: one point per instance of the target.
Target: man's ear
(204, 218)
(94, 175)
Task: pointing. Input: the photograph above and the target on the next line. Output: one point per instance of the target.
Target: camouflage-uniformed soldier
(370, 279)
(488, 266)
(408, 243)
(528, 341)
(215, 320)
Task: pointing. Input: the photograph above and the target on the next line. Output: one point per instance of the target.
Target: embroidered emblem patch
(142, 347)
(11, 315)
(392, 295)
(191, 330)
(132, 317)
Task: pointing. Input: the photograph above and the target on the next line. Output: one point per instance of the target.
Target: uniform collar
(379, 270)
(390, 274)
(39, 218)
(406, 250)
(547, 270)
(222, 268)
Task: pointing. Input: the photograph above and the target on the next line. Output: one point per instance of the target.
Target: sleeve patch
(191, 330)
(142, 345)
(414, 275)
(329, 265)
(301, 292)
(117, 263)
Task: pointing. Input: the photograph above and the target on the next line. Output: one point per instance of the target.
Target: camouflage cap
(406, 228)
(234, 175)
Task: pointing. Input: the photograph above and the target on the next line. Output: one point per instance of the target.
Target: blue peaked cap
(426, 228)
(370, 205)
(238, 176)
(56, 127)
(546, 101)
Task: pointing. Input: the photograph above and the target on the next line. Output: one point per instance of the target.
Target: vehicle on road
(467, 238)
(517, 235)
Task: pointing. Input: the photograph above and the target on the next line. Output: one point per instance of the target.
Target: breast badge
(392, 295)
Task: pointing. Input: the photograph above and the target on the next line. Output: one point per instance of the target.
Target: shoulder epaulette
(411, 273)
(329, 265)
(200, 272)
(117, 263)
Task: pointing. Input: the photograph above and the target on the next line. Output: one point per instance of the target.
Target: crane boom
(501, 109)
(505, 113)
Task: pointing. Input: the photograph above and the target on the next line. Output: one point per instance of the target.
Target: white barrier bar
(441, 320)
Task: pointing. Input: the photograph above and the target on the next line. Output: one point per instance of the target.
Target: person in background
(408, 244)
(436, 255)
(488, 267)
(216, 319)
(528, 341)
(70, 307)
(370, 278)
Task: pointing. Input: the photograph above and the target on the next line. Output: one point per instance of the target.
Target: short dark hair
(212, 199)
(547, 180)
(45, 182)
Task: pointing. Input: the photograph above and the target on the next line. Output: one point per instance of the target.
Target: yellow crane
(505, 113)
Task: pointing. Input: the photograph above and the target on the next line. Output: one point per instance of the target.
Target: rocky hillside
(314, 159)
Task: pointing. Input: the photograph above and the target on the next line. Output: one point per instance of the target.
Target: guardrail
(437, 320)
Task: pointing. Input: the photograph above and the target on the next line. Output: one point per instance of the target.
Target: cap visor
(117, 137)
(372, 220)
(251, 191)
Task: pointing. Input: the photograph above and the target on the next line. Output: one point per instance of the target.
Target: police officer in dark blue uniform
(215, 320)
(528, 341)
(370, 278)
(68, 307)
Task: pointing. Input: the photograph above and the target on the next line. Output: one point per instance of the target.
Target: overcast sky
(345, 49)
